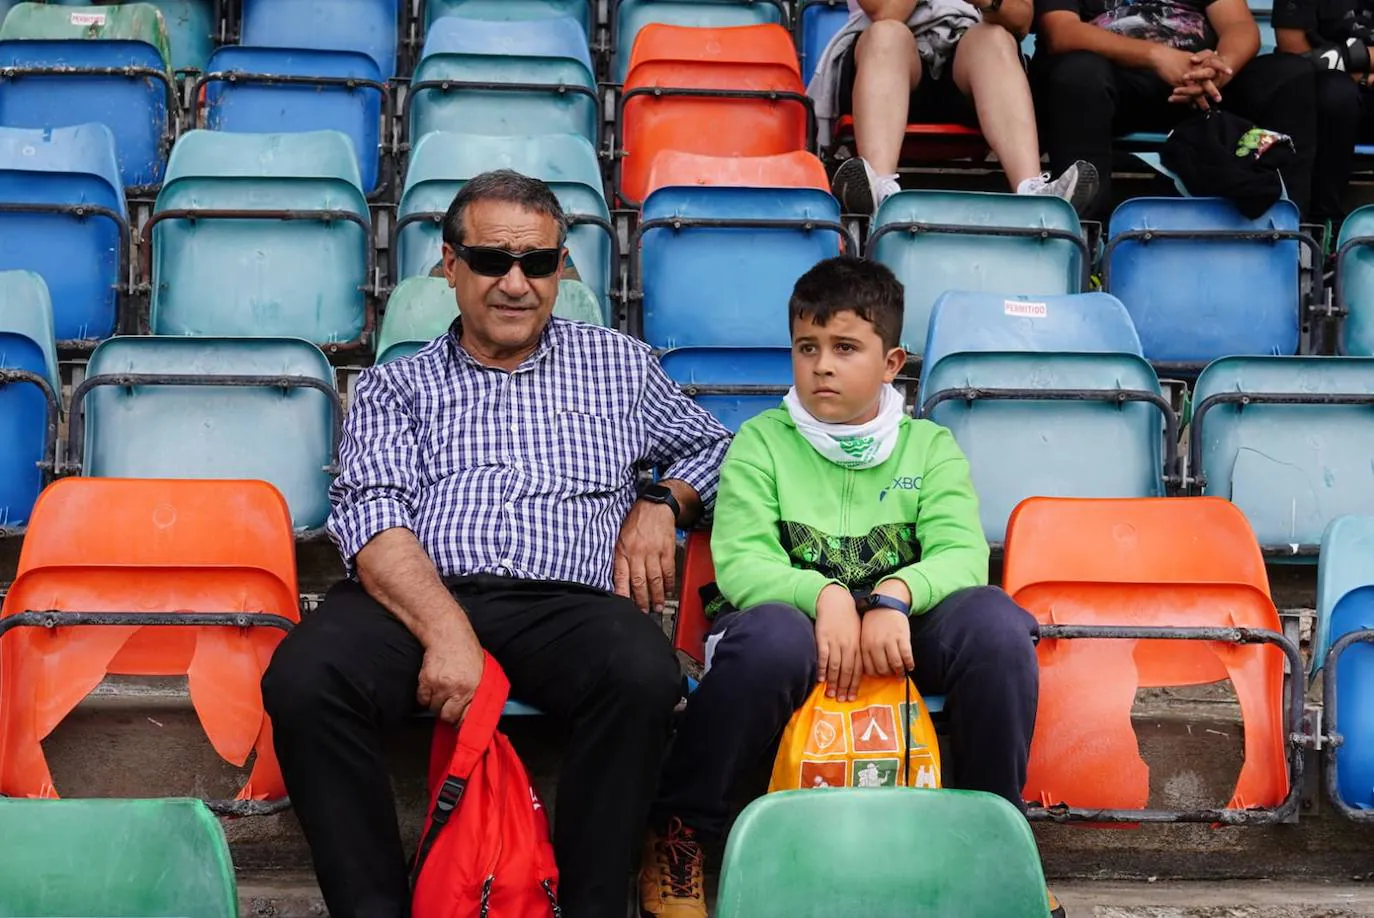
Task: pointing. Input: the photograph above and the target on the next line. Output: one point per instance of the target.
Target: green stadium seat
(881, 853)
(190, 26)
(115, 857)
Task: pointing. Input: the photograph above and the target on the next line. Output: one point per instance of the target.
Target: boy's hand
(837, 643)
(885, 644)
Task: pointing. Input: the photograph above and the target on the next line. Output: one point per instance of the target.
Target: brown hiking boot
(1056, 910)
(670, 884)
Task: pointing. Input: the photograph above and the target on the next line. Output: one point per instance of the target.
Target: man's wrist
(663, 496)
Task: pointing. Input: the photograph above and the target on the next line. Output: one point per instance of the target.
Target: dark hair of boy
(848, 284)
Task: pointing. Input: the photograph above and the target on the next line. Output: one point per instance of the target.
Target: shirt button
(510, 506)
(514, 429)
(508, 564)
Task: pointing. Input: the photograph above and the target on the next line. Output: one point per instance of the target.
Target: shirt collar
(548, 339)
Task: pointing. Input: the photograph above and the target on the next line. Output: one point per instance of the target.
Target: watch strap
(882, 601)
(662, 494)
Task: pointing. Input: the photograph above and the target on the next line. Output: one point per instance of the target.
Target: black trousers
(349, 672)
(977, 648)
(1345, 117)
(1083, 101)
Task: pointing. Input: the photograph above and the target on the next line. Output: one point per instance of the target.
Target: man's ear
(450, 264)
(893, 364)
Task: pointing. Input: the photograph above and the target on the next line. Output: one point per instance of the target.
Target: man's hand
(451, 670)
(886, 640)
(1171, 65)
(837, 643)
(646, 555)
(1202, 84)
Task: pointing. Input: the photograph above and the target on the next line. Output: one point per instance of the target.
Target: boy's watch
(662, 494)
(880, 601)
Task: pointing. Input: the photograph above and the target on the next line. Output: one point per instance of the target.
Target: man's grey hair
(510, 187)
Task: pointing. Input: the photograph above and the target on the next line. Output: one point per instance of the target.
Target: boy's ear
(894, 363)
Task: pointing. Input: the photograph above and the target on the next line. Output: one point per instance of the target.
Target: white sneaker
(1078, 185)
(859, 189)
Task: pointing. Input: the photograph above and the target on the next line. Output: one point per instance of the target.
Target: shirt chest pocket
(596, 450)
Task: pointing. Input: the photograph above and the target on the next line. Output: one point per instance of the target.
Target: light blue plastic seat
(222, 276)
(250, 106)
(580, 11)
(547, 52)
(629, 16)
(820, 20)
(280, 435)
(83, 258)
(1027, 447)
(366, 26)
(728, 286)
(1290, 468)
(929, 262)
(26, 345)
(1194, 300)
(441, 163)
(83, 46)
(190, 27)
(1355, 281)
(730, 382)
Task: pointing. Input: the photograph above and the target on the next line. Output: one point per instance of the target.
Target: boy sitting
(837, 495)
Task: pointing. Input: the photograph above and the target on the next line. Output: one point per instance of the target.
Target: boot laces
(680, 856)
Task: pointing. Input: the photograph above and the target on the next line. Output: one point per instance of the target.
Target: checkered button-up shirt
(523, 474)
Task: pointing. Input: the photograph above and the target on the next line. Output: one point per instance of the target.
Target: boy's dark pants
(977, 648)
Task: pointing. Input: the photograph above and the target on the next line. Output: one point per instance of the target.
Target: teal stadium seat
(881, 853)
(63, 216)
(29, 387)
(1073, 411)
(441, 163)
(580, 11)
(221, 270)
(115, 857)
(1288, 440)
(190, 28)
(277, 422)
(481, 76)
(1355, 282)
(370, 27)
(936, 241)
(422, 308)
(629, 16)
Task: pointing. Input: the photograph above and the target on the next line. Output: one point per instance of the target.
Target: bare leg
(888, 68)
(987, 67)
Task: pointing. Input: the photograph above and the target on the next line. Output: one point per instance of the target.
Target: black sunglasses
(490, 262)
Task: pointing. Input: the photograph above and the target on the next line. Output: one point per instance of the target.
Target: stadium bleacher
(215, 214)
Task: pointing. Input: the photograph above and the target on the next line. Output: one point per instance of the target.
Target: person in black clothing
(1335, 35)
(1104, 68)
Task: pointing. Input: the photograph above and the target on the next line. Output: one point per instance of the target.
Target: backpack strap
(475, 734)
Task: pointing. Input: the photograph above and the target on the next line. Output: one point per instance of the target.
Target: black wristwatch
(662, 494)
(880, 601)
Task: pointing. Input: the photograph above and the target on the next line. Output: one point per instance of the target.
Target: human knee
(992, 43)
(1001, 633)
(775, 644)
(297, 681)
(1338, 98)
(1076, 77)
(885, 39)
(642, 671)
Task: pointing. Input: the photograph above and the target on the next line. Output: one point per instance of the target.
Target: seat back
(26, 343)
(550, 52)
(282, 436)
(690, 625)
(930, 262)
(88, 41)
(1355, 280)
(441, 163)
(148, 547)
(81, 259)
(798, 169)
(367, 26)
(190, 28)
(820, 20)
(223, 276)
(1291, 468)
(580, 11)
(728, 286)
(250, 107)
(633, 16)
(1197, 299)
(116, 857)
(758, 59)
(1175, 562)
(728, 381)
(891, 852)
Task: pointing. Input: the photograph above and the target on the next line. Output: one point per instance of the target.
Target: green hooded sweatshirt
(788, 521)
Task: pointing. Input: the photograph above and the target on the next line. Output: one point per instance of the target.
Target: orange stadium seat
(723, 92)
(1182, 563)
(690, 625)
(798, 169)
(107, 569)
(924, 142)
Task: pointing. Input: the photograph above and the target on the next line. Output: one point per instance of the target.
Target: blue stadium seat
(1210, 292)
(190, 29)
(277, 91)
(956, 240)
(728, 286)
(629, 16)
(542, 67)
(55, 60)
(733, 383)
(1040, 436)
(62, 215)
(191, 426)
(28, 393)
(367, 26)
(820, 20)
(1289, 441)
(219, 272)
(440, 163)
(580, 11)
(1355, 282)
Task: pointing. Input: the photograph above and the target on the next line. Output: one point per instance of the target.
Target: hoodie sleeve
(752, 567)
(954, 552)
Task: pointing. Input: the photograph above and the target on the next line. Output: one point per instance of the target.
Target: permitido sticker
(88, 19)
(1024, 310)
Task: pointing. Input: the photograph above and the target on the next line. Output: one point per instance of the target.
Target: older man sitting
(487, 499)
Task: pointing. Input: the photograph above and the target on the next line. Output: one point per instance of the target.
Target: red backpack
(485, 850)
